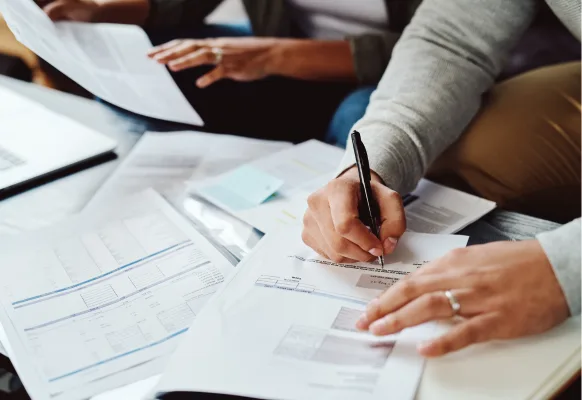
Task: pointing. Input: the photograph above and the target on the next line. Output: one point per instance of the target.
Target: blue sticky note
(243, 188)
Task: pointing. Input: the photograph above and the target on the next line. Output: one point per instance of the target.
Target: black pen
(369, 210)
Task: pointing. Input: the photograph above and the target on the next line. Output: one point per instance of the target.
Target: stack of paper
(108, 60)
(97, 302)
(284, 327)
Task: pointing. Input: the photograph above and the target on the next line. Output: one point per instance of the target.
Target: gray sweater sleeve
(447, 58)
(562, 247)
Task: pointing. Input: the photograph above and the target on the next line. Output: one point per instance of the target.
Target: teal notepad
(245, 187)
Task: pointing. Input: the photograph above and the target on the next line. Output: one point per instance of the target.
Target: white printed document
(166, 161)
(92, 303)
(109, 60)
(306, 167)
(284, 327)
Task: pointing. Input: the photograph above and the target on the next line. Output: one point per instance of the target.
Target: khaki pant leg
(523, 148)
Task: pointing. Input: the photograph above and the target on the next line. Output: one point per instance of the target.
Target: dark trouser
(273, 108)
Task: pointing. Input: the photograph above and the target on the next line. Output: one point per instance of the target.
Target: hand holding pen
(333, 225)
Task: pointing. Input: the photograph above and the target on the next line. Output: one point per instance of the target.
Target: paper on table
(166, 161)
(303, 169)
(434, 208)
(243, 188)
(535, 367)
(108, 60)
(431, 208)
(88, 299)
(282, 327)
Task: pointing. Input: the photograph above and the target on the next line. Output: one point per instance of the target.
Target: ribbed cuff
(562, 247)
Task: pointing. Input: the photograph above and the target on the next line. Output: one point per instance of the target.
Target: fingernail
(362, 322)
(378, 326)
(373, 305)
(376, 252)
(423, 348)
(390, 245)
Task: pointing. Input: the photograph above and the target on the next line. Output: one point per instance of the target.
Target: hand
(332, 228)
(505, 290)
(244, 59)
(70, 10)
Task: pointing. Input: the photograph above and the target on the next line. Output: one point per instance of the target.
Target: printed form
(306, 167)
(90, 299)
(283, 327)
(109, 60)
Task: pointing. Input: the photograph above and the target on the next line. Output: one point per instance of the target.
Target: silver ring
(455, 306)
(218, 55)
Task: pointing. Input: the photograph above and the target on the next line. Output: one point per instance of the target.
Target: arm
(122, 11)
(447, 58)
(562, 247)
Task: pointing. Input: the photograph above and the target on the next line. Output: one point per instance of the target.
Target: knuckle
(345, 226)
(306, 238)
(456, 254)
(408, 288)
(338, 245)
(395, 324)
(313, 200)
(434, 302)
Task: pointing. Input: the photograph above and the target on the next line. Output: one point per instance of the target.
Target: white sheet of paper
(109, 60)
(282, 327)
(433, 208)
(88, 300)
(167, 161)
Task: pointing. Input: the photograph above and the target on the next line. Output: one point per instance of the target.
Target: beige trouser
(523, 149)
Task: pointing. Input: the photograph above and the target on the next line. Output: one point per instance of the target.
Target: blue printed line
(119, 356)
(127, 296)
(318, 293)
(100, 276)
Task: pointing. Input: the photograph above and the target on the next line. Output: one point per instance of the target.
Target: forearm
(316, 60)
(122, 11)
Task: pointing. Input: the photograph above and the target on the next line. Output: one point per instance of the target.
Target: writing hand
(331, 225)
(505, 290)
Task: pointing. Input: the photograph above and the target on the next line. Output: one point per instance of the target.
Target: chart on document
(109, 298)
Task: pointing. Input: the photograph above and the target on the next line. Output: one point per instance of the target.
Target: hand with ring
(500, 290)
(241, 59)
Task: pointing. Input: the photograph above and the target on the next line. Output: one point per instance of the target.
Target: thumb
(57, 10)
(392, 218)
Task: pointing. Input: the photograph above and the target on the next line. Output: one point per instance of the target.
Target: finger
(175, 53)
(163, 47)
(213, 76)
(313, 238)
(195, 59)
(347, 223)
(340, 246)
(428, 307)
(56, 10)
(393, 221)
(474, 330)
(407, 290)
(313, 243)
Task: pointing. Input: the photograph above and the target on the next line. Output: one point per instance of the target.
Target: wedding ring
(455, 306)
(218, 55)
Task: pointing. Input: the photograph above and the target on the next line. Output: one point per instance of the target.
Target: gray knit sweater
(447, 58)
